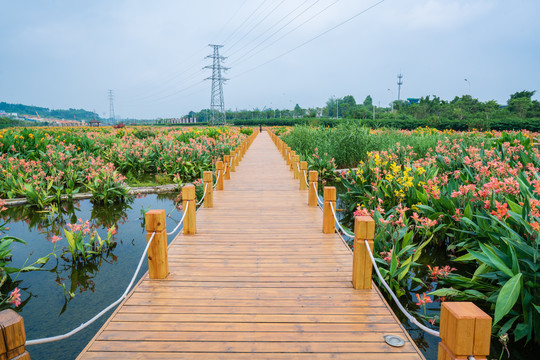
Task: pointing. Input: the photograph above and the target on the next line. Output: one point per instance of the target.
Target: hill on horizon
(70, 114)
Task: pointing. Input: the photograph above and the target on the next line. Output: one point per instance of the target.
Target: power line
(257, 23)
(244, 58)
(232, 17)
(270, 28)
(243, 22)
(312, 39)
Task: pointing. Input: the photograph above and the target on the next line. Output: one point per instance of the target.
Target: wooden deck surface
(259, 280)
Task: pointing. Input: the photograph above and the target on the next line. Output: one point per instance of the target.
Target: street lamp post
(392, 101)
(468, 82)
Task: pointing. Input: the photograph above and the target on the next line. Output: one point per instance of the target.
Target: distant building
(413, 100)
(94, 122)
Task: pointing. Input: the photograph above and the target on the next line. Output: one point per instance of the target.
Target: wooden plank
(265, 336)
(252, 347)
(259, 280)
(247, 356)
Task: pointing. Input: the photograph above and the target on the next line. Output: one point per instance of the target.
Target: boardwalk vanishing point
(259, 280)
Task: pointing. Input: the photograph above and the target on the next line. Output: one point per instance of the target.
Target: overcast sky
(68, 54)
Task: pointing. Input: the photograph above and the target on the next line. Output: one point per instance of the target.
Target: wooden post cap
(313, 176)
(155, 220)
(364, 227)
(208, 176)
(329, 193)
(188, 192)
(303, 165)
(13, 337)
(219, 165)
(465, 330)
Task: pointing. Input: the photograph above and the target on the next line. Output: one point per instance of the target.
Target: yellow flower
(420, 170)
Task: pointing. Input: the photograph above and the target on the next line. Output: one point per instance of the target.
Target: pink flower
(56, 238)
(15, 297)
(424, 300)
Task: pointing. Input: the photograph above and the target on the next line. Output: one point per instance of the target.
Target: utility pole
(399, 82)
(111, 106)
(217, 105)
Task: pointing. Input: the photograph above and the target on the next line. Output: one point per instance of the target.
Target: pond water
(47, 309)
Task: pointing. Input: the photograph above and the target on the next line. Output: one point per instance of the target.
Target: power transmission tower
(111, 106)
(399, 82)
(217, 106)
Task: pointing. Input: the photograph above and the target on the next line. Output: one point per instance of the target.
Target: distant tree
(491, 107)
(368, 102)
(521, 94)
(520, 102)
(298, 111)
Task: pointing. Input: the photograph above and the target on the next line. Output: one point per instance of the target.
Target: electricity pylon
(217, 105)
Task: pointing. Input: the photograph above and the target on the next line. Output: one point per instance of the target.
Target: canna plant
(84, 244)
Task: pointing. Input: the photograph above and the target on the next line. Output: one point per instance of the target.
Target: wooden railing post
(288, 156)
(233, 163)
(237, 155)
(293, 154)
(364, 229)
(302, 175)
(219, 175)
(188, 195)
(208, 184)
(296, 164)
(328, 218)
(227, 164)
(158, 261)
(313, 185)
(13, 339)
(465, 330)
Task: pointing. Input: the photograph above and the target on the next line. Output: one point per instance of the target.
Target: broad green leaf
(507, 325)
(507, 297)
(497, 262)
(393, 262)
(466, 257)
(468, 211)
(521, 331)
(515, 207)
(404, 271)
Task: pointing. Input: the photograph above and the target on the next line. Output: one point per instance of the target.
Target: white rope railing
(217, 178)
(305, 177)
(337, 221)
(89, 322)
(405, 312)
(202, 199)
(181, 220)
(321, 203)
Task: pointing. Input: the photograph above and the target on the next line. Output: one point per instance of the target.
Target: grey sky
(63, 54)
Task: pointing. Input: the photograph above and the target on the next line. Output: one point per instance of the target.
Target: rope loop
(181, 220)
(204, 195)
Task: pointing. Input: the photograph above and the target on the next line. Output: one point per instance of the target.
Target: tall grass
(349, 142)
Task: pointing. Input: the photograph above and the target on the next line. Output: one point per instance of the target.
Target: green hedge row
(409, 123)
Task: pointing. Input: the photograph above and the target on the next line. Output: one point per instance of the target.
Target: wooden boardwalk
(259, 280)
